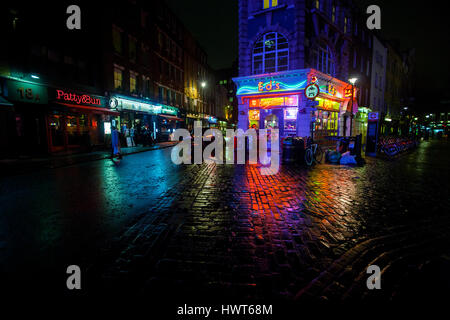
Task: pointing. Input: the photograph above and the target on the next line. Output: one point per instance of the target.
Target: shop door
(271, 122)
(73, 132)
(56, 125)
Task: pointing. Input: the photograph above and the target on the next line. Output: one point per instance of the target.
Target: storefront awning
(170, 117)
(91, 109)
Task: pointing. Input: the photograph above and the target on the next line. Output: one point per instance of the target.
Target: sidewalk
(23, 165)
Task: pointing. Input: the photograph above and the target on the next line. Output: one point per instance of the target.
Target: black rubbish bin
(288, 151)
(299, 146)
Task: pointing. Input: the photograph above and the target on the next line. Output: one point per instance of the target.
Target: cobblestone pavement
(227, 231)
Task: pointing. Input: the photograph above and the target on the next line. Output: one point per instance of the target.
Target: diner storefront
(77, 121)
(53, 120)
(278, 101)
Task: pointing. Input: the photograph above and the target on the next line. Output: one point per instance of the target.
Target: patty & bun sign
(81, 99)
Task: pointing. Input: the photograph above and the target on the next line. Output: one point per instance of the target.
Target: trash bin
(288, 151)
(299, 147)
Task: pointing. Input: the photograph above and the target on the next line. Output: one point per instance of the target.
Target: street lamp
(352, 81)
(203, 84)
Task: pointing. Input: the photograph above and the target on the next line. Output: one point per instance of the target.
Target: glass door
(56, 136)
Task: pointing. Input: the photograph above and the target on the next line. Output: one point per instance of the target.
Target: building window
(270, 54)
(132, 82)
(323, 60)
(117, 78)
(345, 24)
(117, 40)
(161, 93)
(270, 3)
(317, 4)
(132, 49)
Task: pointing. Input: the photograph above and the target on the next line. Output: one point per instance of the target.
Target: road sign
(312, 91)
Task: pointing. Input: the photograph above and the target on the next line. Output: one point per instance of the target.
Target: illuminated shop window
(117, 78)
(270, 3)
(270, 54)
(323, 60)
(132, 82)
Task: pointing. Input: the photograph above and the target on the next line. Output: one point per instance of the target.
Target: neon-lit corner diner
(278, 101)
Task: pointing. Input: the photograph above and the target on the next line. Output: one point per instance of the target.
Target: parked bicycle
(313, 152)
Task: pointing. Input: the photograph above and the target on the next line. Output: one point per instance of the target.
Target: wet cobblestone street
(228, 231)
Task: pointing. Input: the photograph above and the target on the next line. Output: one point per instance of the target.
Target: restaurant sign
(128, 104)
(79, 99)
(291, 100)
(26, 92)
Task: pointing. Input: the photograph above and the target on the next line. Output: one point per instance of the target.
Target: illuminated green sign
(26, 92)
(169, 110)
(120, 103)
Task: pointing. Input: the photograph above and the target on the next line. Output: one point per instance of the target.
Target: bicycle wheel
(318, 156)
(308, 157)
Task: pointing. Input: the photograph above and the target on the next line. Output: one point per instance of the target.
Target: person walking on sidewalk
(115, 142)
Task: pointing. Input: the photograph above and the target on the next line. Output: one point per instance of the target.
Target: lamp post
(352, 81)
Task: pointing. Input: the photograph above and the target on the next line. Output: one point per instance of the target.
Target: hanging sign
(312, 91)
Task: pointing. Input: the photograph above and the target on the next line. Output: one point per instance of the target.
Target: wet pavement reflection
(150, 227)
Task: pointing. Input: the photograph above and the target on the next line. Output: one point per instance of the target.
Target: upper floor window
(133, 82)
(270, 53)
(132, 48)
(345, 24)
(270, 3)
(323, 60)
(318, 4)
(117, 40)
(117, 78)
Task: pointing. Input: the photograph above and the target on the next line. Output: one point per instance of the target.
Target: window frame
(133, 76)
(323, 54)
(266, 55)
(269, 4)
(118, 70)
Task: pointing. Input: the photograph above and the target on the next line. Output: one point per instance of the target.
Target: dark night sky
(423, 27)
